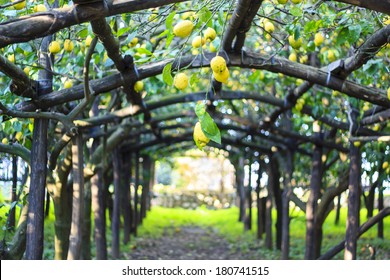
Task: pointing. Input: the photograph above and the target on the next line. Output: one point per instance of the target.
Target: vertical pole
(286, 206)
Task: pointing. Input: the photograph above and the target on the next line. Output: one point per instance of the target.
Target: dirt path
(190, 243)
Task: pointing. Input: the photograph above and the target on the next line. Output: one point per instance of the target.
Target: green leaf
(354, 33)
(169, 39)
(342, 36)
(169, 20)
(297, 32)
(194, 79)
(122, 31)
(200, 109)
(167, 76)
(210, 129)
(204, 15)
(83, 33)
(296, 12)
(144, 51)
(310, 46)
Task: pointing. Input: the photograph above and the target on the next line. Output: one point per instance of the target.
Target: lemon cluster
(220, 70)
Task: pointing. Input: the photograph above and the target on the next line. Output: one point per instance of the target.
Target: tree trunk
(338, 209)
(35, 218)
(47, 204)
(312, 203)
(147, 163)
(12, 216)
(286, 206)
(248, 218)
(260, 206)
(276, 192)
(115, 226)
(151, 184)
(369, 200)
(75, 238)
(240, 173)
(380, 208)
(353, 204)
(86, 244)
(126, 198)
(136, 183)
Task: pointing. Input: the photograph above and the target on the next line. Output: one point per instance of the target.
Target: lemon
(218, 64)
(301, 101)
(139, 86)
(366, 106)
(39, 8)
(376, 127)
(304, 59)
(388, 93)
(54, 47)
(282, 1)
(68, 45)
(269, 27)
(200, 138)
(4, 141)
(356, 144)
(343, 156)
(210, 34)
(180, 81)
(187, 15)
(293, 57)
(222, 77)
(183, 29)
(18, 136)
(11, 58)
(133, 42)
(296, 1)
(68, 84)
(318, 39)
(20, 5)
(212, 48)
(384, 165)
(198, 41)
(88, 41)
(298, 107)
(27, 70)
(331, 56)
(295, 44)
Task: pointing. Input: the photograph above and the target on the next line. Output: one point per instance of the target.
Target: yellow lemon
(18, 136)
(183, 29)
(222, 77)
(282, 1)
(4, 141)
(318, 39)
(11, 58)
(27, 70)
(39, 8)
(212, 48)
(295, 44)
(210, 34)
(139, 86)
(20, 5)
(133, 42)
(357, 144)
(180, 81)
(88, 41)
(68, 45)
(296, 1)
(388, 93)
(54, 47)
(218, 64)
(269, 27)
(200, 138)
(293, 57)
(331, 56)
(385, 165)
(198, 41)
(68, 84)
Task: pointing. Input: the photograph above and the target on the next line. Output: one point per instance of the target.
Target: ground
(191, 243)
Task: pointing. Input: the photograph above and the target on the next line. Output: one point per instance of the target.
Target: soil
(190, 243)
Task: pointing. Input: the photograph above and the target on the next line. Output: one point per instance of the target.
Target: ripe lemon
(20, 5)
(68, 84)
(39, 8)
(366, 106)
(54, 47)
(68, 45)
(198, 41)
(293, 57)
(295, 44)
(303, 59)
(180, 81)
(269, 27)
(200, 138)
(133, 42)
(296, 1)
(88, 41)
(318, 39)
(27, 70)
(11, 58)
(4, 141)
(222, 77)
(210, 34)
(218, 64)
(139, 86)
(388, 93)
(385, 165)
(331, 56)
(183, 29)
(282, 1)
(18, 136)
(212, 48)
(298, 107)
(356, 144)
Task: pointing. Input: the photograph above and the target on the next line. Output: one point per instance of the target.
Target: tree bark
(86, 235)
(147, 165)
(286, 205)
(126, 198)
(35, 218)
(338, 210)
(277, 194)
(353, 204)
(248, 219)
(115, 226)
(136, 183)
(380, 208)
(12, 216)
(240, 173)
(312, 203)
(260, 206)
(75, 238)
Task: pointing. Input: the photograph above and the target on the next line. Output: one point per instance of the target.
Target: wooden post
(260, 206)
(126, 197)
(277, 194)
(116, 164)
(86, 236)
(76, 229)
(12, 218)
(136, 183)
(286, 205)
